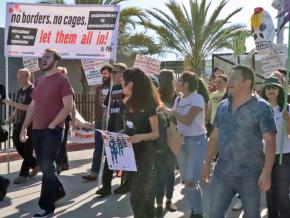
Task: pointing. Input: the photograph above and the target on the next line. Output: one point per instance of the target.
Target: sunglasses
(271, 87)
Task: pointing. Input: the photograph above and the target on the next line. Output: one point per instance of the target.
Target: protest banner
(92, 70)
(146, 64)
(77, 31)
(119, 151)
(31, 64)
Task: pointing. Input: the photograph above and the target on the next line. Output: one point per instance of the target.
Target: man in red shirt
(52, 101)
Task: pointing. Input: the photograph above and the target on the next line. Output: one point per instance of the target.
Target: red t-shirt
(48, 94)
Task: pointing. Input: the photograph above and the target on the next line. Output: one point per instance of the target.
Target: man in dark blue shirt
(241, 124)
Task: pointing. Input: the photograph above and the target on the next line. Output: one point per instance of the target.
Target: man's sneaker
(89, 178)
(159, 211)
(34, 171)
(102, 192)
(123, 189)
(43, 213)
(238, 205)
(170, 206)
(20, 180)
(4, 183)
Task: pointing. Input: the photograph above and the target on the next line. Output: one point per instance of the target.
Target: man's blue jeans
(47, 143)
(224, 188)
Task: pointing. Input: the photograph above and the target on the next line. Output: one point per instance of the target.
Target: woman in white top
(189, 111)
(278, 201)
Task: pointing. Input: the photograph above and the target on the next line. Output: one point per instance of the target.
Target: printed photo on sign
(119, 151)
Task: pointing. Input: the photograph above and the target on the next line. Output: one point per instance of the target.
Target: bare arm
(18, 106)
(153, 135)
(29, 115)
(189, 117)
(67, 108)
(270, 150)
(210, 154)
(287, 120)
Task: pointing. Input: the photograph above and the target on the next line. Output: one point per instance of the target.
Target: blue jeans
(278, 201)
(224, 188)
(97, 155)
(47, 143)
(190, 159)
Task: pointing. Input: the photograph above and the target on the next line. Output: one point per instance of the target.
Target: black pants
(25, 150)
(107, 176)
(62, 157)
(278, 201)
(142, 185)
(164, 183)
(47, 143)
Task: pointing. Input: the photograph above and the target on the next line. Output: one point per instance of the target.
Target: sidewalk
(81, 201)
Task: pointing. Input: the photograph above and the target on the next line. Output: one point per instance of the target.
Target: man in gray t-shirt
(241, 124)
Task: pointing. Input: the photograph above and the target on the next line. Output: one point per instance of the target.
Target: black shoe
(3, 188)
(102, 192)
(170, 206)
(159, 211)
(123, 189)
(43, 213)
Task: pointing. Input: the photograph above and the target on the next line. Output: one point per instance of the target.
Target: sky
(242, 17)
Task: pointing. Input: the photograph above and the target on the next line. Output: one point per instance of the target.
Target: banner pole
(7, 114)
(285, 100)
(100, 176)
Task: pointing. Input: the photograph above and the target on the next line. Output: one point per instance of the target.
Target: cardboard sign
(147, 65)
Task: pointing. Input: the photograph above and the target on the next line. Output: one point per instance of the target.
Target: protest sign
(146, 64)
(119, 151)
(77, 31)
(31, 64)
(92, 69)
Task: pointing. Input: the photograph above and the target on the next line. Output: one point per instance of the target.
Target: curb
(13, 154)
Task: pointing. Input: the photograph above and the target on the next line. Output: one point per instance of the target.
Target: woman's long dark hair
(280, 97)
(144, 95)
(166, 89)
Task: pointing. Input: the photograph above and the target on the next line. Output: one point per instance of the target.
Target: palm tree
(130, 41)
(188, 32)
(238, 43)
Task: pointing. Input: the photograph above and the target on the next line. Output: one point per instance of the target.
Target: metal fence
(85, 104)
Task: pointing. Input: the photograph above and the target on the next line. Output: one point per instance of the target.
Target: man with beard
(52, 101)
(101, 93)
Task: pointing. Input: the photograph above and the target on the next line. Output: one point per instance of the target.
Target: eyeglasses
(271, 87)
(115, 72)
(219, 82)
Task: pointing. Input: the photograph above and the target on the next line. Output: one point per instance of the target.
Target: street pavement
(80, 200)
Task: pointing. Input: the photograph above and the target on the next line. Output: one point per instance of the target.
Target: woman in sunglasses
(278, 196)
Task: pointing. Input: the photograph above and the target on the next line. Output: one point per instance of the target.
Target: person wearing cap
(278, 201)
(244, 122)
